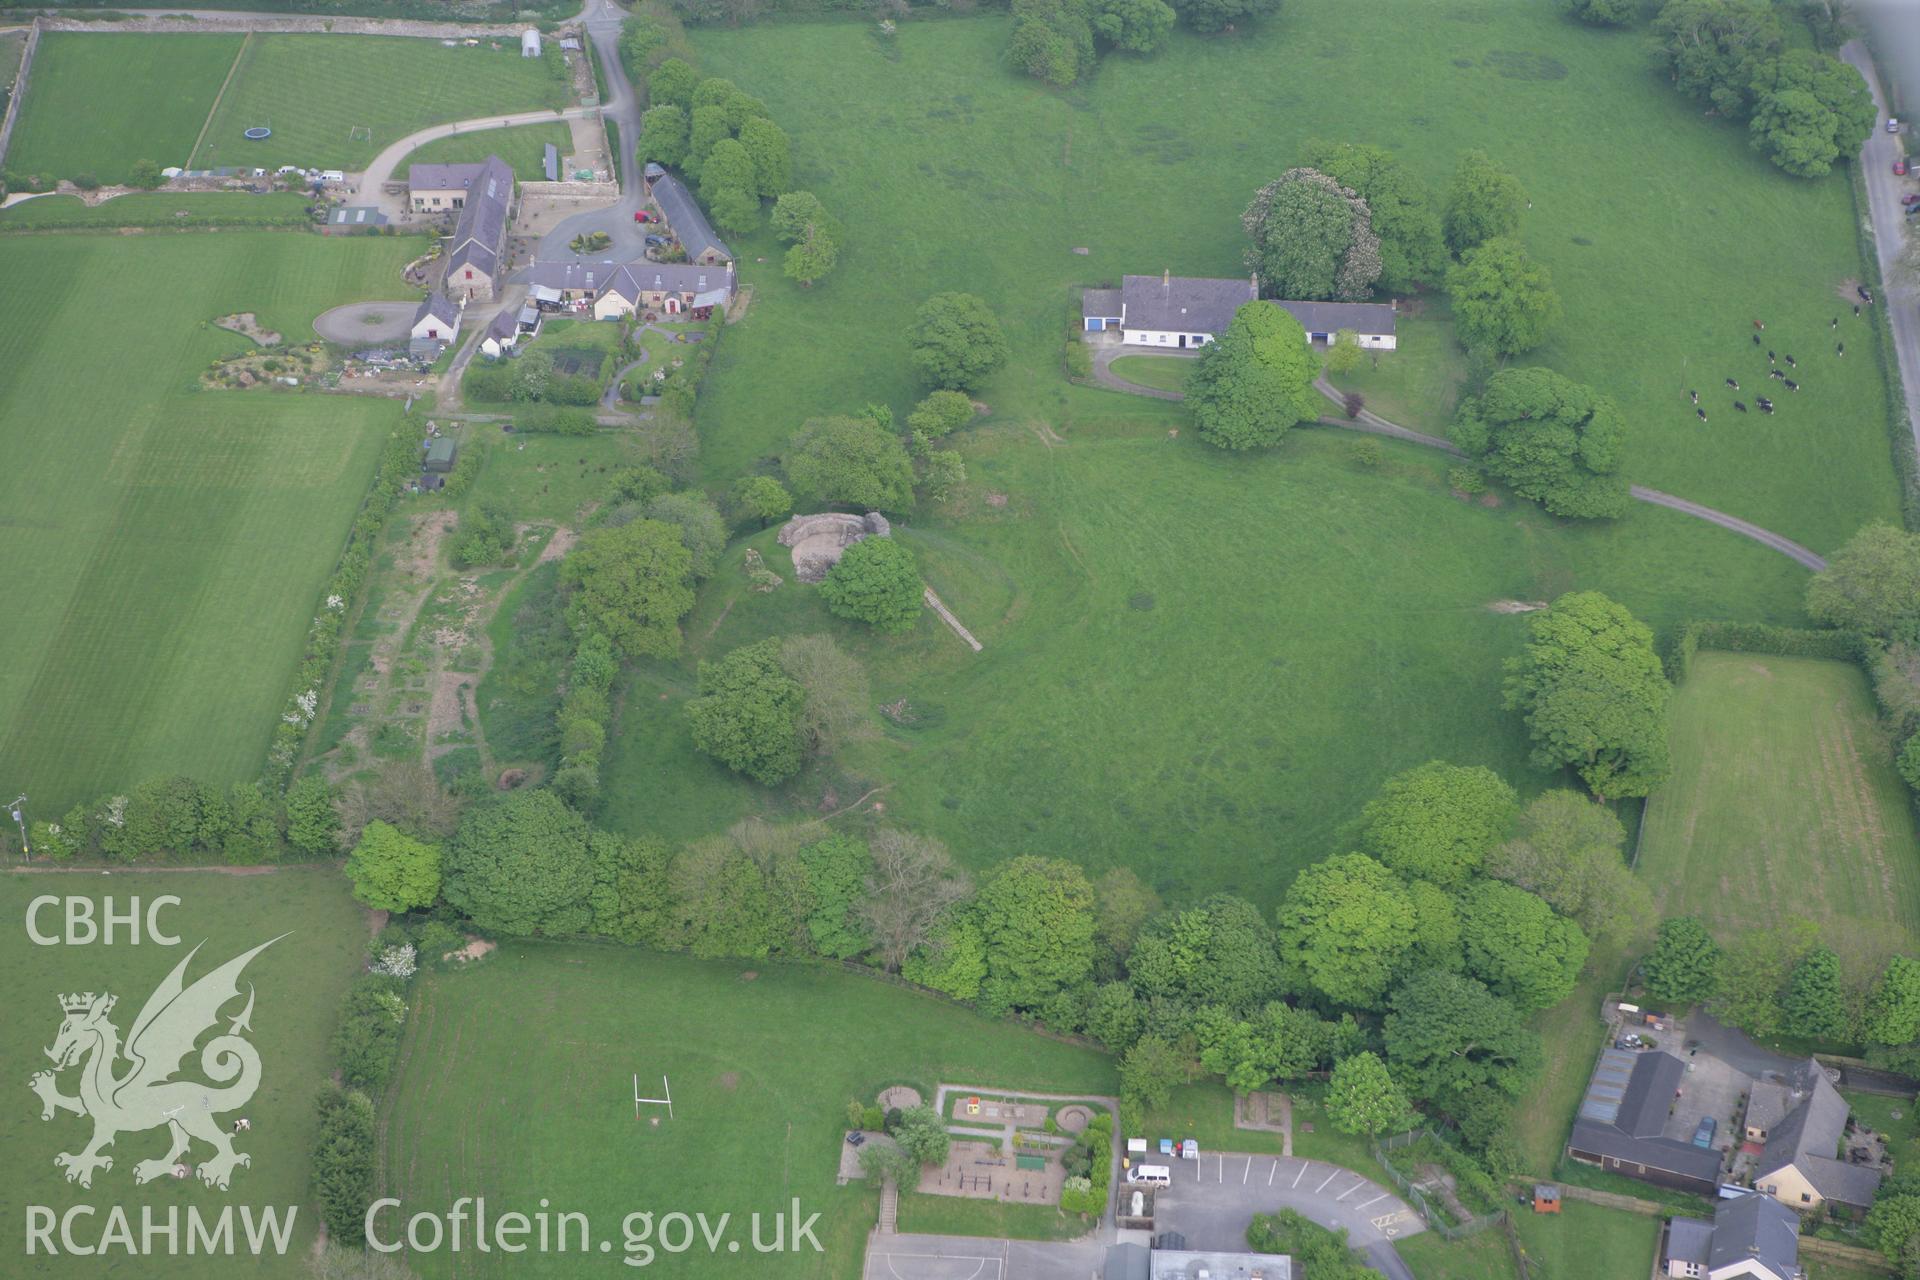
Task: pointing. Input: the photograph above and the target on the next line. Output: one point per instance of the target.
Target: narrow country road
(1889, 223)
(601, 20)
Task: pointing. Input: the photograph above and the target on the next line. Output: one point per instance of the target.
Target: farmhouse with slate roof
(435, 324)
(683, 213)
(1191, 311)
(477, 253)
(680, 290)
(1750, 1238)
(1804, 1123)
(1621, 1122)
(440, 188)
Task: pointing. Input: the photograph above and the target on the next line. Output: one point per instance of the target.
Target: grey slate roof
(1183, 304)
(1331, 317)
(573, 275)
(1689, 1240)
(1767, 1105)
(440, 307)
(684, 215)
(671, 277)
(481, 233)
(504, 325)
(1104, 303)
(1757, 1227)
(1809, 1137)
(1625, 1111)
(1125, 1262)
(442, 177)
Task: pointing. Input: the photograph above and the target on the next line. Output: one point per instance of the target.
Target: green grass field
(155, 89)
(1590, 1241)
(1168, 373)
(758, 1111)
(157, 210)
(165, 545)
(1783, 791)
(1666, 234)
(314, 90)
(1897, 1119)
(522, 147)
(298, 983)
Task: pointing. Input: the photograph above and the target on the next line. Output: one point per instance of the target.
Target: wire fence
(1437, 1216)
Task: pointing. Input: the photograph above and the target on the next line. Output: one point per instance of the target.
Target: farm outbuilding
(441, 455)
(529, 43)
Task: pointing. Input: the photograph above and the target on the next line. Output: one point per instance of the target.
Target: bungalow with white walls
(437, 321)
(681, 290)
(1184, 312)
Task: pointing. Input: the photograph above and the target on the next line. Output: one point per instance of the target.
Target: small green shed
(440, 454)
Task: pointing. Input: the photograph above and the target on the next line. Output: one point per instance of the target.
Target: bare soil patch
(475, 948)
(1515, 606)
(729, 1080)
(510, 778)
(247, 325)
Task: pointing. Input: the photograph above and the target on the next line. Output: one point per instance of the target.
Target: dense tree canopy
(1483, 202)
(1503, 301)
(747, 714)
(391, 871)
(1052, 40)
(1278, 1042)
(1518, 946)
(1604, 13)
(1447, 1035)
(1436, 821)
(955, 342)
(729, 187)
(1872, 583)
(1345, 925)
(1136, 26)
(851, 461)
(630, 584)
(663, 136)
(838, 704)
(837, 869)
(1549, 438)
(702, 529)
(771, 152)
(1363, 1098)
(1893, 1006)
(1815, 1001)
(1412, 250)
(1036, 915)
(1714, 49)
(1255, 382)
(1754, 971)
(1809, 110)
(1567, 849)
(520, 865)
(877, 581)
(1594, 695)
(672, 83)
(910, 893)
(814, 237)
(1218, 15)
(1312, 239)
(1218, 953)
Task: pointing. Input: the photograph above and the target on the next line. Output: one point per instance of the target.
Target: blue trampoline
(258, 132)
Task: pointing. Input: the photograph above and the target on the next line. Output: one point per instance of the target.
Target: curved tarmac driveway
(349, 324)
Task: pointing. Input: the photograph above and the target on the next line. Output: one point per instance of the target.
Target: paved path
(1733, 1047)
(348, 324)
(601, 21)
(1889, 223)
(372, 184)
(1372, 423)
(1106, 353)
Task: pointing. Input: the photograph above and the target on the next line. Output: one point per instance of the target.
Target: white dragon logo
(146, 1096)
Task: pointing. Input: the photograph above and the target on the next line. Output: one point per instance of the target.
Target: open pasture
(1783, 792)
(298, 983)
(522, 147)
(164, 545)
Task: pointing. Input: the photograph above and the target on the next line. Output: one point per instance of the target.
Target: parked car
(1911, 198)
(1893, 125)
(641, 215)
(1703, 1134)
(1900, 167)
(855, 1138)
(657, 242)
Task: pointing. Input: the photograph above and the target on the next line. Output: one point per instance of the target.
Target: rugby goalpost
(665, 1100)
(360, 133)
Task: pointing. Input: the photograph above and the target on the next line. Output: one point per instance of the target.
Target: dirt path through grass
(239, 56)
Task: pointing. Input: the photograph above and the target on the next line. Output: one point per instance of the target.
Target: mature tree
(145, 173)
(812, 256)
(1549, 438)
(1344, 354)
(1894, 1220)
(1344, 926)
(1810, 109)
(1754, 972)
(1037, 917)
(955, 342)
(914, 885)
(1137, 26)
(876, 581)
(1567, 849)
(391, 871)
(1255, 382)
(1503, 301)
(672, 83)
(520, 865)
(703, 530)
(1871, 584)
(741, 108)
(801, 221)
(341, 1170)
(728, 187)
(731, 894)
(1815, 1003)
(762, 498)
(953, 960)
(837, 869)
(1437, 820)
(771, 151)
(312, 822)
(1116, 1016)
(1684, 965)
(1604, 13)
(1052, 40)
(1594, 695)
(1363, 1098)
(850, 461)
(794, 212)
(923, 1135)
(663, 136)
(1403, 216)
(1893, 1006)
(1447, 1036)
(1436, 930)
(709, 128)
(1484, 202)
(631, 584)
(940, 414)
(714, 91)
(1218, 953)
(1151, 1070)
(1122, 904)
(1312, 238)
(1516, 945)
(747, 714)
(1714, 48)
(1207, 16)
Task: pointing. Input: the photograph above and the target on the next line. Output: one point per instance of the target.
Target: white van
(1151, 1175)
(332, 175)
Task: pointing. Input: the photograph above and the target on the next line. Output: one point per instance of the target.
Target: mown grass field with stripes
(96, 103)
(522, 147)
(314, 91)
(163, 545)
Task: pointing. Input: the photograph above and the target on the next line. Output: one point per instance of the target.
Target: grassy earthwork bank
(159, 210)
(522, 147)
(165, 544)
(758, 1110)
(314, 91)
(1783, 790)
(297, 982)
(96, 103)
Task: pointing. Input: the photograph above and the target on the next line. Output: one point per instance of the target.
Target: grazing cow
(1770, 357)
(1695, 395)
(1775, 373)
(1702, 414)
(1766, 407)
(1856, 308)
(1834, 323)
(1839, 348)
(1735, 385)
(1741, 407)
(1759, 324)
(1866, 294)
(1791, 384)
(1792, 363)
